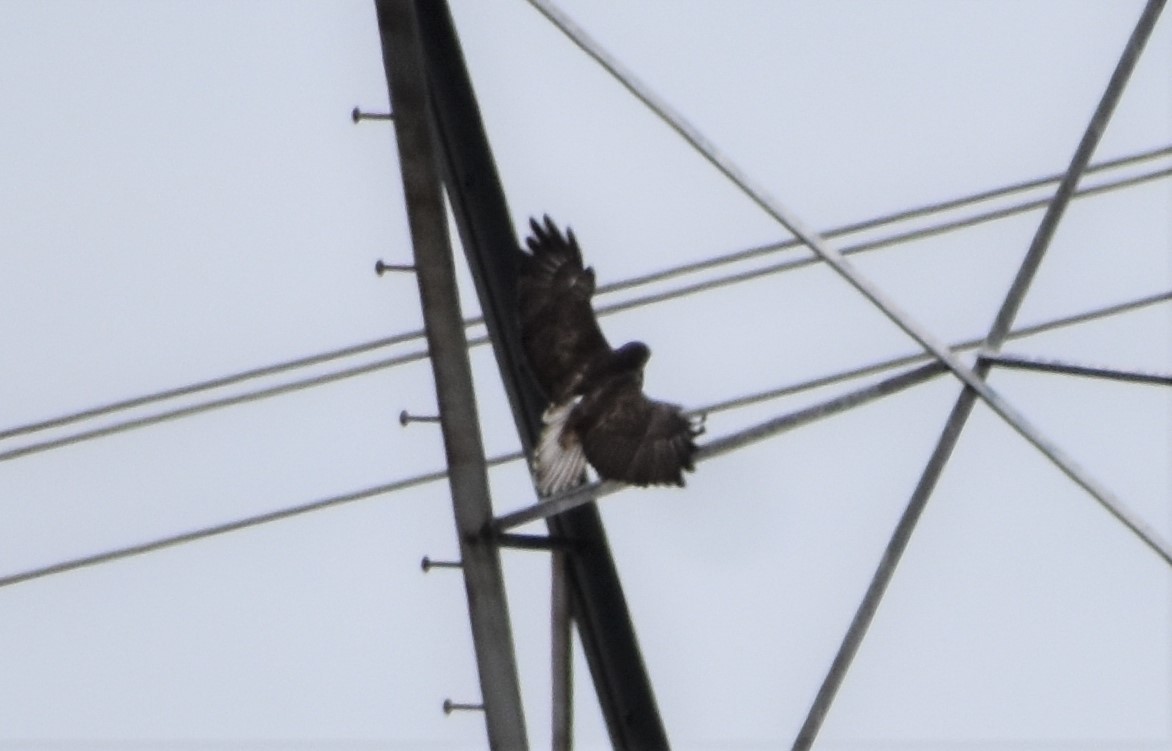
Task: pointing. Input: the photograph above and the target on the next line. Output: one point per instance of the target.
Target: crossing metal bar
(586, 493)
(919, 357)
(967, 399)
(1021, 362)
(448, 346)
(847, 271)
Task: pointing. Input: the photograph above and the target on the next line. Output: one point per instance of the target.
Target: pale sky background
(183, 196)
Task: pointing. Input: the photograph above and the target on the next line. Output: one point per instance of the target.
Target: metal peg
(357, 115)
(406, 417)
(451, 706)
(381, 268)
(427, 564)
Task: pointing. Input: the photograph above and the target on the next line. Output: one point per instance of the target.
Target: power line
(604, 310)
(920, 356)
(900, 216)
(259, 519)
(230, 401)
(848, 250)
(219, 529)
(720, 446)
(664, 274)
(212, 383)
(294, 386)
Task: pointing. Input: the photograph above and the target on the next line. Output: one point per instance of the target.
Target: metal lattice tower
(449, 174)
(482, 217)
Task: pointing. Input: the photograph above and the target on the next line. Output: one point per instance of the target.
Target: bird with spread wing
(597, 410)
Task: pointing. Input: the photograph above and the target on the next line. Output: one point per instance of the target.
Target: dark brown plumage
(597, 411)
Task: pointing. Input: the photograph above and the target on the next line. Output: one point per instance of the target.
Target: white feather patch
(559, 459)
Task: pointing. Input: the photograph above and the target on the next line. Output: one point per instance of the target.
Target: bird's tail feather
(559, 461)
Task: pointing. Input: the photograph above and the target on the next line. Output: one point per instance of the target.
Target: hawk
(597, 410)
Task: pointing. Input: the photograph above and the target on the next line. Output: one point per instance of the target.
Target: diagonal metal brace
(973, 380)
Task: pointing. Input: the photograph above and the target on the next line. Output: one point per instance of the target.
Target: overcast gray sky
(184, 196)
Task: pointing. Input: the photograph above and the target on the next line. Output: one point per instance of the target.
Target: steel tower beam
(478, 201)
(1047, 365)
(448, 347)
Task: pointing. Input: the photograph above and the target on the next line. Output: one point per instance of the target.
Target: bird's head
(632, 356)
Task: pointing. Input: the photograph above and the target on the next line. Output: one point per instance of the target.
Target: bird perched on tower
(597, 410)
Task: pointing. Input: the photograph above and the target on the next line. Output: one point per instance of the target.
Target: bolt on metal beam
(358, 115)
(381, 268)
(427, 564)
(406, 418)
(450, 706)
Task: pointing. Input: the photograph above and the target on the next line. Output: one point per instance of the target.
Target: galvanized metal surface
(625, 694)
(1045, 365)
(448, 347)
(561, 653)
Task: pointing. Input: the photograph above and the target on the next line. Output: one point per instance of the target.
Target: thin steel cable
(204, 533)
(121, 427)
(603, 310)
(286, 513)
(230, 401)
(661, 275)
(901, 216)
(849, 250)
(720, 446)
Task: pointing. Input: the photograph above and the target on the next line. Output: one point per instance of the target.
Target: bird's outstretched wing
(633, 439)
(559, 331)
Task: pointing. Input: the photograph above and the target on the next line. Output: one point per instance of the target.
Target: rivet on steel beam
(406, 417)
(451, 706)
(427, 564)
(357, 115)
(381, 268)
